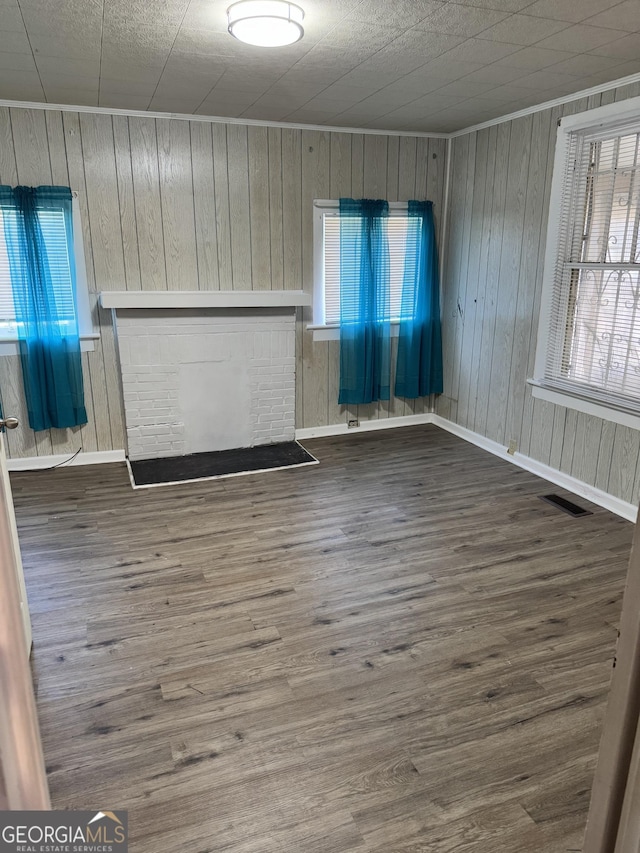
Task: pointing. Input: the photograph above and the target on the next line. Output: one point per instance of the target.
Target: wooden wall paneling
(579, 106)
(223, 217)
(375, 167)
(393, 164)
(460, 308)
(376, 177)
(112, 378)
(559, 414)
(631, 90)
(492, 234)
(407, 163)
(436, 180)
(126, 203)
(564, 420)
(568, 441)
(238, 166)
(276, 245)
(605, 454)
(525, 327)
(626, 446)
(75, 162)
(452, 299)
(62, 440)
(90, 430)
(436, 166)
(508, 278)
(148, 207)
(8, 168)
(336, 414)
(204, 206)
(407, 153)
(292, 208)
(292, 240)
(436, 186)
(541, 432)
(532, 404)
(419, 405)
(374, 185)
(315, 354)
(395, 405)
(99, 397)
(586, 445)
(21, 441)
(339, 187)
(471, 309)
(422, 168)
(259, 207)
(102, 201)
(357, 165)
(635, 489)
(357, 191)
(488, 168)
(57, 150)
(31, 146)
(455, 310)
(177, 200)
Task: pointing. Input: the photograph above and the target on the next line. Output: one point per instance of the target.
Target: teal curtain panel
(419, 362)
(38, 232)
(365, 331)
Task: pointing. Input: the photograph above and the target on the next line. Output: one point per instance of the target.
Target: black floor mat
(219, 463)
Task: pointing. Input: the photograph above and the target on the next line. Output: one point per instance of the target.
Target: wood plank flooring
(400, 650)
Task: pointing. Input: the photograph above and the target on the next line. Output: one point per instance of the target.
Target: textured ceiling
(420, 65)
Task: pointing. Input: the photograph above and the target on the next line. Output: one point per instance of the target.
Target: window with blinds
(399, 235)
(593, 335)
(52, 223)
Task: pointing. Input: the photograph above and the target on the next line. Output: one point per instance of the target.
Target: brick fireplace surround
(198, 376)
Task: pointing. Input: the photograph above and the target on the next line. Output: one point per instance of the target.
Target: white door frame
(616, 786)
(22, 767)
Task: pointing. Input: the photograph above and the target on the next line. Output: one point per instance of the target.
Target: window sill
(332, 332)
(584, 404)
(9, 346)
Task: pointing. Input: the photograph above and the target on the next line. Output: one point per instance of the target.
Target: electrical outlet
(353, 423)
(513, 446)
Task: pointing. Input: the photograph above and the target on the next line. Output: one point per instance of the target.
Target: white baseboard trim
(92, 457)
(365, 426)
(559, 478)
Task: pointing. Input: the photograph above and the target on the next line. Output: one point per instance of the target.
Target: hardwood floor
(400, 650)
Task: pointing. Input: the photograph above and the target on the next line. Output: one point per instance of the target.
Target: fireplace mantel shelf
(163, 299)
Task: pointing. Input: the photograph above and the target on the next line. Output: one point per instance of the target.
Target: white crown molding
(564, 99)
(252, 122)
(556, 102)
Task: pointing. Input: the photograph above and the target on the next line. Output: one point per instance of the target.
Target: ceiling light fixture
(266, 23)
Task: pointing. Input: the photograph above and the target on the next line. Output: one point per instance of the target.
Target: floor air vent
(565, 505)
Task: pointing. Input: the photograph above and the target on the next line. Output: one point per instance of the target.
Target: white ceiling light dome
(266, 23)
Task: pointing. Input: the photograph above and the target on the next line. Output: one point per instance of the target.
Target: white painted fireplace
(205, 371)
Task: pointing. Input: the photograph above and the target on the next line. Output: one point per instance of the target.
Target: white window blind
(400, 236)
(52, 223)
(593, 345)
